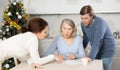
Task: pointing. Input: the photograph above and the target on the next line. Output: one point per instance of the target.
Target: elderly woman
(68, 44)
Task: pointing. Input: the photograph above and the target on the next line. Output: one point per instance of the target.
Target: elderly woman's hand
(72, 56)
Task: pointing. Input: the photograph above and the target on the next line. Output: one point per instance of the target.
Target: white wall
(70, 6)
(54, 20)
(3, 4)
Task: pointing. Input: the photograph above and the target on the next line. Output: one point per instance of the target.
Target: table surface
(94, 65)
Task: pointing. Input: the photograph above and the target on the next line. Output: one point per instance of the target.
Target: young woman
(26, 44)
(68, 44)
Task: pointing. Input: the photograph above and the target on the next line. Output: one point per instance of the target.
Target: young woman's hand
(72, 56)
(61, 56)
(38, 66)
(58, 59)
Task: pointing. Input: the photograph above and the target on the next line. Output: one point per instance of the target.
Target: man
(96, 31)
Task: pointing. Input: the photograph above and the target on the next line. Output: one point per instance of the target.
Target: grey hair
(71, 23)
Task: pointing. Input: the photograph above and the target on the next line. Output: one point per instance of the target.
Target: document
(72, 62)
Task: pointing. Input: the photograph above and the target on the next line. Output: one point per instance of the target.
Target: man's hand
(85, 60)
(72, 56)
(89, 59)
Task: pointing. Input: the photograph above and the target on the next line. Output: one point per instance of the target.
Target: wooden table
(94, 65)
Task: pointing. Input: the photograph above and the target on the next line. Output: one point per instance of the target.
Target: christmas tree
(14, 19)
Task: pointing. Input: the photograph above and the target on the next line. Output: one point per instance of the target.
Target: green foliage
(8, 64)
(14, 19)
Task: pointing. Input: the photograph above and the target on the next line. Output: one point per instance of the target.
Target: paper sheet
(72, 62)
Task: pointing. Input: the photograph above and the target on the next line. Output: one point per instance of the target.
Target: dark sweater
(101, 39)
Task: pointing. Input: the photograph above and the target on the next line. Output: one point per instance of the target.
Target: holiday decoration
(14, 19)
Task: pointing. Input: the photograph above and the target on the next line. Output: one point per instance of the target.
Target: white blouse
(22, 45)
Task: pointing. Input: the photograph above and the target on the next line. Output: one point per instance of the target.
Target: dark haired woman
(26, 44)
